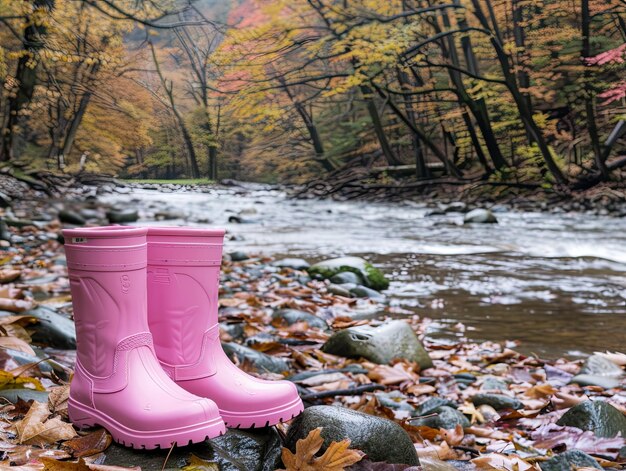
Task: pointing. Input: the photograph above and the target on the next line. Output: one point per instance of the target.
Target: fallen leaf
(90, 444)
(198, 464)
(16, 344)
(57, 399)
(54, 465)
(502, 462)
(37, 429)
(337, 456)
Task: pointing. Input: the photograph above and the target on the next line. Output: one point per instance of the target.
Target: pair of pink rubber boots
(150, 366)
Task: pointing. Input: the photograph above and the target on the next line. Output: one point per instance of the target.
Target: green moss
(376, 279)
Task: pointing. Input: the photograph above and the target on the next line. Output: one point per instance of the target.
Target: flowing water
(555, 282)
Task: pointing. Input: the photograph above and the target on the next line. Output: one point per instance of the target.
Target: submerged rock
(381, 439)
(261, 361)
(484, 216)
(372, 277)
(599, 417)
(291, 316)
(568, 460)
(381, 344)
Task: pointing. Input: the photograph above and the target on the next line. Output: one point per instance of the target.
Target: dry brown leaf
(90, 444)
(398, 373)
(54, 465)
(498, 461)
(337, 456)
(15, 305)
(453, 437)
(57, 399)
(37, 429)
(16, 344)
(541, 391)
(7, 275)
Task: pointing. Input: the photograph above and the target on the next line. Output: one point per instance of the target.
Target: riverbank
(458, 404)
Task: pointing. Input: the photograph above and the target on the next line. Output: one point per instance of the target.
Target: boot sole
(261, 419)
(82, 417)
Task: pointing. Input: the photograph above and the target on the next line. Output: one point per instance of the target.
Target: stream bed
(556, 282)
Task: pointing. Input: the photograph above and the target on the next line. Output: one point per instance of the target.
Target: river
(556, 282)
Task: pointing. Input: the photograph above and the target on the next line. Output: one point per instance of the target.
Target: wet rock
(89, 213)
(599, 417)
(236, 450)
(120, 216)
(261, 361)
(291, 316)
(568, 460)
(484, 216)
(599, 366)
(491, 383)
(456, 207)
(13, 395)
(446, 418)
(346, 277)
(5, 200)
(432, 404)
(71, 217)
(372, 277)
(395, 400)
(234, 330)
(339, 290)
(53, 329)
(5, 233)
(370, 434)
(381, 344)
(365, 292)
(465, 378)
(238, 256)
(497, 401)
(605, 382)
(293, 263)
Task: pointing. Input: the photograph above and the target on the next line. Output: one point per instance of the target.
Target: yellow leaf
(198, 464)
(336, 457)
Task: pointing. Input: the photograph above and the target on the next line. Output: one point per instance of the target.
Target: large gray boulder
(381, 344)
(382, 439)
(599, 417)
(372, 277)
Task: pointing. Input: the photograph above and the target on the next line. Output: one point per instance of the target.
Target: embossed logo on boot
(125, 279)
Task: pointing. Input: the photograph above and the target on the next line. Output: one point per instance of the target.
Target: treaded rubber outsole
(263, 419)
(84, 417)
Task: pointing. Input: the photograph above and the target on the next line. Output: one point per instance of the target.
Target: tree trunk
(589, 109)
(26, 77)
(378, 126)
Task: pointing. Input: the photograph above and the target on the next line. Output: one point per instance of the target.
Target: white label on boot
(79, 240)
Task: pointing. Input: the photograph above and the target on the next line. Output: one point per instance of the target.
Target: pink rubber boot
(183, 282)
(118, 382)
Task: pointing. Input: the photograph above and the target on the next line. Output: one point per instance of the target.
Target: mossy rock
(372, 276)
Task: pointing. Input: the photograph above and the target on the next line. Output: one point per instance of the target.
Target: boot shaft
(107, 272)
(183, 289)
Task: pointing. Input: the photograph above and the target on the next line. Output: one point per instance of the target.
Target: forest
(526, 92)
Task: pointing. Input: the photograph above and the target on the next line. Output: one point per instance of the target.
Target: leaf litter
(37, 435)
